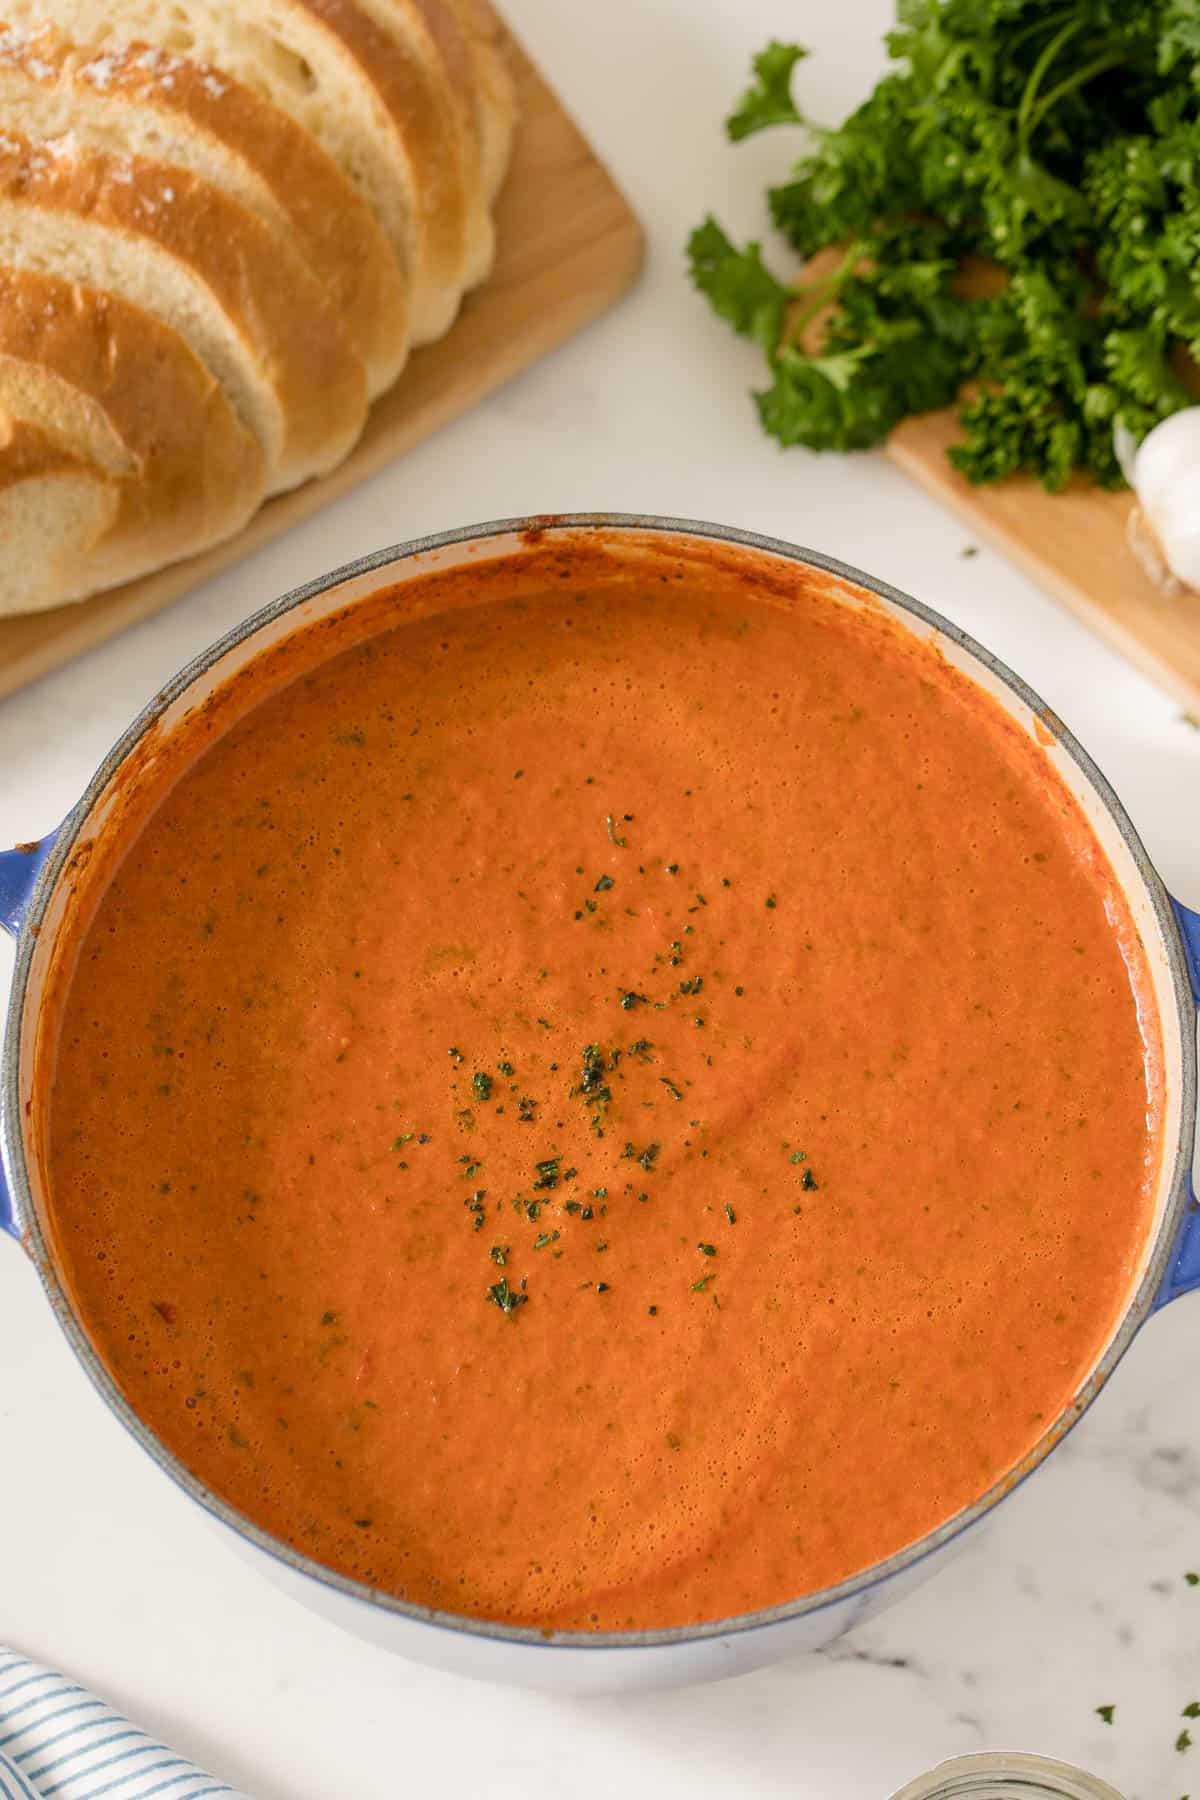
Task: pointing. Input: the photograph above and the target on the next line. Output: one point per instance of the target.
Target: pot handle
(1184, 1272)
(19, 870)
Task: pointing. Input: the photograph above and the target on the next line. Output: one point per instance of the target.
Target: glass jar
(1006, 1775)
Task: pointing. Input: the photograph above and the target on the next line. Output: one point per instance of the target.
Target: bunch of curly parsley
(1060, 142)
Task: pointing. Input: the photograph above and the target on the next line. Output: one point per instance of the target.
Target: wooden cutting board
(1074, 545)
(568, 247)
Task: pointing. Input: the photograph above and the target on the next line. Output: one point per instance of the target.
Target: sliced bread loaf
(105, 382)
(372, 106)
(138, 100)
(181, 248)
(54, 508)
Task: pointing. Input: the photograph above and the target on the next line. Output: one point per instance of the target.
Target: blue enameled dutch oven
(35, 879)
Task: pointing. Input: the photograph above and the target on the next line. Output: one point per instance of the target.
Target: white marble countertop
(1076, 1597)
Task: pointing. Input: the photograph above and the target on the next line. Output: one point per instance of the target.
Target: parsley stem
(1038, 25)
(823, 294)
(1027, 118)
(1079, 79)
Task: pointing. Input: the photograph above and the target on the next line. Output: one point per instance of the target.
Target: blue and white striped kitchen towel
(58, 1742)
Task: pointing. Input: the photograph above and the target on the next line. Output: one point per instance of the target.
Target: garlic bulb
(1164, 472)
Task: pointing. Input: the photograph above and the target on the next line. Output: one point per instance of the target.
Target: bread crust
(53, 508)
(468, 40)
(484, 35)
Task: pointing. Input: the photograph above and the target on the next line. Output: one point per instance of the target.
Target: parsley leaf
(768, 101)
(738, 286)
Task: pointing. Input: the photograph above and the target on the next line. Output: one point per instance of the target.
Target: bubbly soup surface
(613, 1107)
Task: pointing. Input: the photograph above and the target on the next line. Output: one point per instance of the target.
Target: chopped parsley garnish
(499, 1254)
(771, 903)
(797, 1156)
(1192, 1579)
(1192, 1710)
(674, 1091)
(730, 1214)
(482, 1085)
(693, 986)
(592, 1085)
(526, 1110)
(699, 1287)
(808, 1180)
(707, 1249)
(1184, 1740)
(629, 1000)
(506, 1069)
(603, 885)
(591, 1082)
(548, 1172)
(1106, 1713)
(602, 1287)
(501, 1295)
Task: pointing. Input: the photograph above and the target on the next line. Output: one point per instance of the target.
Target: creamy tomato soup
(599, 1101)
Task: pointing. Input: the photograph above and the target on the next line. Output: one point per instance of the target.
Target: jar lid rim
(1013, 1770)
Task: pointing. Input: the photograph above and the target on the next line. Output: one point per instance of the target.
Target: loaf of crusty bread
(222, 224)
